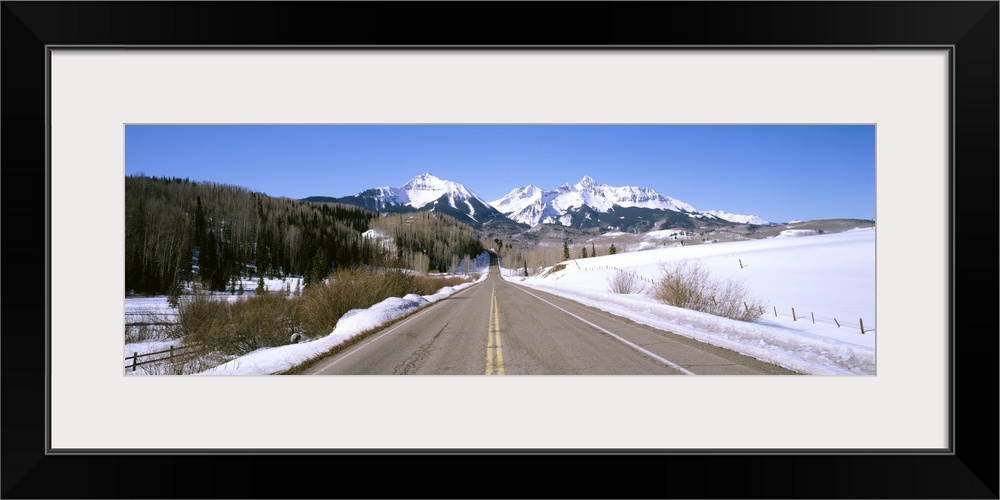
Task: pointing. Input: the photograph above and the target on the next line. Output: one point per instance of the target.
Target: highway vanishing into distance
(500, 328)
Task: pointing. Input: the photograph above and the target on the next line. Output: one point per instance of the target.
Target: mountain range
(424, 193)
(532, 205)
(585, 204)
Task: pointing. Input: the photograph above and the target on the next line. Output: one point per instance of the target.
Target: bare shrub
(684, 284)
(688, 284)
(260, 321)
(554, 269)
(202, 318)
(270, 320)
(426, 285)
(624, 282)
(324, 303)
(319, 307)
(237, 327)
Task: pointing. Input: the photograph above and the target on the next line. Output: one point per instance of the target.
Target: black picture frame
(970, 29)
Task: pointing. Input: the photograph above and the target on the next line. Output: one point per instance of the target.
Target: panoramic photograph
(721, 250)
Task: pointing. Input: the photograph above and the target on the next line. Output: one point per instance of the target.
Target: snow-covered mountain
(532, 205)
(585, 204)
(737, 218)
(421, 190)
(426, 193)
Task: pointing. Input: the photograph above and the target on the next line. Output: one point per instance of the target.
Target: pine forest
(178, 231)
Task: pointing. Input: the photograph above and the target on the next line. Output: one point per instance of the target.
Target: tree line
(178, 231)
(429, 241)
(533, 257)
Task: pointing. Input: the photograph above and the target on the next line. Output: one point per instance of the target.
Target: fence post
(837, 322)
(775, 311)
(745, 306)
(793, 315)
(741, 263)
(171, 354)
(862, 325)
(135, 359)
(813, 316)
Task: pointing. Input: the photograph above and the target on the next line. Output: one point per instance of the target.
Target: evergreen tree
(199, 224)
(612, 250)
(566, 250)
(318, 270)
(593, 251)
(583, 253)
(208, 262)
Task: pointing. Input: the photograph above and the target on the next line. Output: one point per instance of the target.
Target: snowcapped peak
(427, 190)
(528, 191)
(586, 182)
(425, 181)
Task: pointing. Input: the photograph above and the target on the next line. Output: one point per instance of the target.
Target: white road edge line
(630, 344)
(387, 332)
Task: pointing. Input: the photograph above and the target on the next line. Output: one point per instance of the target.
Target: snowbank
(278, 359)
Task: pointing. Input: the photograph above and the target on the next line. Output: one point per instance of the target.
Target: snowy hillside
(828, 279)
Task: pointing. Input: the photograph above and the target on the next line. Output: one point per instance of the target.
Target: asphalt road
(500, 328)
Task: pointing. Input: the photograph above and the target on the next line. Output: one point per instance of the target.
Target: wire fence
(855, 324)
(848, 323)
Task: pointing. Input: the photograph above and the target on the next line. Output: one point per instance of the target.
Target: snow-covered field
(827, 279)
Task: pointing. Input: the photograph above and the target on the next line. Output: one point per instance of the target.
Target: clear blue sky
(777, 172)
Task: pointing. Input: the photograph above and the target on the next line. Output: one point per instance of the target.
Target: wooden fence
(175, 354)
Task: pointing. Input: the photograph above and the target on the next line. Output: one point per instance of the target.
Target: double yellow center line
(494, 360)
